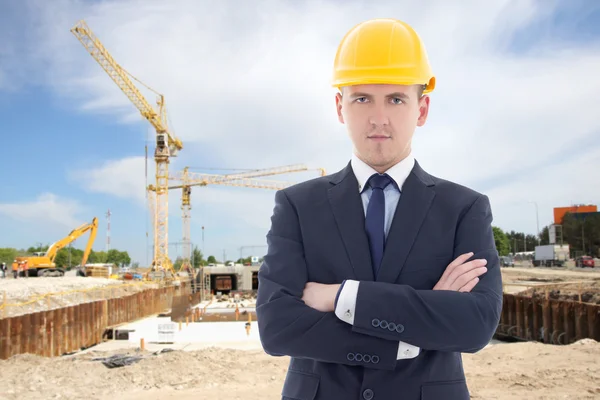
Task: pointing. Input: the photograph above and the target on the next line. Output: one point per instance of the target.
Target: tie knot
(379, 181)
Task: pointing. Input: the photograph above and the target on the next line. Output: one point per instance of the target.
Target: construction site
(161, 332)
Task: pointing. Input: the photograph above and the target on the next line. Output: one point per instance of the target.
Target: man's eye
(361, 99)
(397, 100)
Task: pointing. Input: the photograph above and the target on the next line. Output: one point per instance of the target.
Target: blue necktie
(375, 220)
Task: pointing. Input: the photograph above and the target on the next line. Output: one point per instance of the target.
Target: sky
(247, 85)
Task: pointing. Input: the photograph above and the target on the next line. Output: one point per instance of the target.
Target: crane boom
(120, 76)
(185, 175)
(241, 182)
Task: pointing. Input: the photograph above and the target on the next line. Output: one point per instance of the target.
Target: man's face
(381, 120)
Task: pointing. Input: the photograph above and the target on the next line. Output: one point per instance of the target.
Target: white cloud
(124, 178)
(48, 209)
(248, 85)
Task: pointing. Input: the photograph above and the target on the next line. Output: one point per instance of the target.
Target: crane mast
(167, 144)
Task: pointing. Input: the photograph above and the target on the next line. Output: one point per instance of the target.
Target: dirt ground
(502, 371)
(28, 295)
(561, 283)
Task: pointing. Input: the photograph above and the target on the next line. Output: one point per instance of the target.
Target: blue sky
(517, 93)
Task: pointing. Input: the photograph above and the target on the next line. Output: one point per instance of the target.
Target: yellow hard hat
(384, 51)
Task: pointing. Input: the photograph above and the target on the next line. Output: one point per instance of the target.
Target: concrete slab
(194, 336)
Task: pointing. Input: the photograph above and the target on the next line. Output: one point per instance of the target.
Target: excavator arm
(72, 236)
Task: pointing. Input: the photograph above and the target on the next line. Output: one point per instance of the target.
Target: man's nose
(379, 116)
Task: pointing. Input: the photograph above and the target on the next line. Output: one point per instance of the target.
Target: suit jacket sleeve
(287, 326)
(441, 319)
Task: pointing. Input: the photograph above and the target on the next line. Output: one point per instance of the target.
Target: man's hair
(420, 90)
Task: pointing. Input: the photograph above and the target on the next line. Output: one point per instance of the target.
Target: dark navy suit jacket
(318, 234)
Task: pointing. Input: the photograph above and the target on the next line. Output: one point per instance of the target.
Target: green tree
(97, 257)
(197, 257)
(177, 264)
(582, 233)
(211, 260)
(7, 255)
(519, 241)
(502, 242)
(62, 258)
(120, 258)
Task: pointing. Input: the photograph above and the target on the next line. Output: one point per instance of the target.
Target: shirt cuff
(346, 302)
(406, 350)
(337, 296)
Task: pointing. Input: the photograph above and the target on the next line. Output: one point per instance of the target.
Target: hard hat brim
(383, 80)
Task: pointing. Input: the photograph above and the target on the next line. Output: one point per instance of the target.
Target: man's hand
(460, 276)
(319, 296)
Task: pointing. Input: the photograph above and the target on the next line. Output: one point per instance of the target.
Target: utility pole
(224, 256)
(582, 236)
(537, 220)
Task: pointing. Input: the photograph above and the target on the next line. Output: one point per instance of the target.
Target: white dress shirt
(346, 304)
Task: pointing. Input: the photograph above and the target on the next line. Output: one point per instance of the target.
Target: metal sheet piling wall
(64, 330)
(548, 320)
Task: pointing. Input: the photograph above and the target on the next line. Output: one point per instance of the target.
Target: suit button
(350, 356)
(368, 394)
(358, 357)
(375, 322)
(367, 358)
(374, 359)
(383, 324)
(399, 328)
(392, 326)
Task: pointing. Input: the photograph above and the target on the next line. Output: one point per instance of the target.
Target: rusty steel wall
(548, 320)
(64, 330)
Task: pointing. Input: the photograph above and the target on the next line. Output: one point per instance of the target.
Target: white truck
(551, 255)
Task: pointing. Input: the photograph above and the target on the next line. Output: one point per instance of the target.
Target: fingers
(465, 268)
(457, 261)
(467, 277)
(460, 259)
(469, 286)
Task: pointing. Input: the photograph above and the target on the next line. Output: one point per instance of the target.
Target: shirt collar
(398, 172)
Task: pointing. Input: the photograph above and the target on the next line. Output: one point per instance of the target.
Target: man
(378, 276)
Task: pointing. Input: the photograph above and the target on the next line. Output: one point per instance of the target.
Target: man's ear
(338, 107)
(423, 110)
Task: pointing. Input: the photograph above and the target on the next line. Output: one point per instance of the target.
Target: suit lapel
(348, 211)
(415, 201)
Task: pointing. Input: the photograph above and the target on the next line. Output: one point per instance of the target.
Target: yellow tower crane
(203, 180)
(167, 144)
(189, 179)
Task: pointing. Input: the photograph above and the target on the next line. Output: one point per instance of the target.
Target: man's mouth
(379, 138)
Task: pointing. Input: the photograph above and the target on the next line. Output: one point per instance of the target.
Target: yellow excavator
(42, 264)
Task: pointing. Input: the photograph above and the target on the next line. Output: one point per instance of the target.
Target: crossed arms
(444, 320)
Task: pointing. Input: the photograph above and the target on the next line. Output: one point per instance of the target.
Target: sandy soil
(559, 282)
(502, 371)
(32, 291)
(551, 273)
